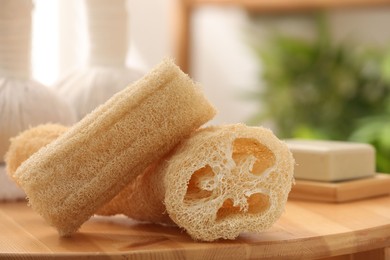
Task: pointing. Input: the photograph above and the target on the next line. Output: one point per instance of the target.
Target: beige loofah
(29, 142)
(69, 179)
(141, 199)
(219, 182)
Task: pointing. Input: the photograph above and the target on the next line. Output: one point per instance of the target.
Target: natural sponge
(142, 199)
(29, 142)
(69, 179)
(221, 181)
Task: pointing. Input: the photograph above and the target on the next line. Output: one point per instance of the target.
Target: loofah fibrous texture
(29, 142)
(216, 184)
(22, 147)
(142, 199)
(69, 179)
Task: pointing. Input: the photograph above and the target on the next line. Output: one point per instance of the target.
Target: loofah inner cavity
(233, 184)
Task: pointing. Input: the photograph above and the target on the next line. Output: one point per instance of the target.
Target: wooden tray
(306, 230)
(344, 191)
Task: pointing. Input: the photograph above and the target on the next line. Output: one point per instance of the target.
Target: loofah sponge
(29, 142)
(69, 179)
(141, 199)
(219, 182)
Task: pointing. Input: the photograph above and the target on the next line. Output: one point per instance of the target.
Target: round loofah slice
(226, 180)
(216, 184)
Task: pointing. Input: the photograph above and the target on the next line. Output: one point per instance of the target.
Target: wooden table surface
(306, 230)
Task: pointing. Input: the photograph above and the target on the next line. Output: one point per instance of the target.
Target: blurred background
(304, 72)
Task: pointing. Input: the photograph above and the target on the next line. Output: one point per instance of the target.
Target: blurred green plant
(321, 90)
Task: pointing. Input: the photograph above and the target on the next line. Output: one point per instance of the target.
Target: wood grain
(344, 191)
(306, 230)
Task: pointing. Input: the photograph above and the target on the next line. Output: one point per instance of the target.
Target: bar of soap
(332, 160)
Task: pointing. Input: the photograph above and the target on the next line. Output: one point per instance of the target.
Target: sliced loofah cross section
(226, 180)
(219, 182)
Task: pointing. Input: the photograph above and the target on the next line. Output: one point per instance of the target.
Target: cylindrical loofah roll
(30, 141)
(23, 102)
(71, 178)
(106, 72)
(216, 184)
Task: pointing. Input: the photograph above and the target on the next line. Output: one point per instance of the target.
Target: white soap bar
(332, 160)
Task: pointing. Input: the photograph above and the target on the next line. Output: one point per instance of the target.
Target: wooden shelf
(184, 8)
(306, 230)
